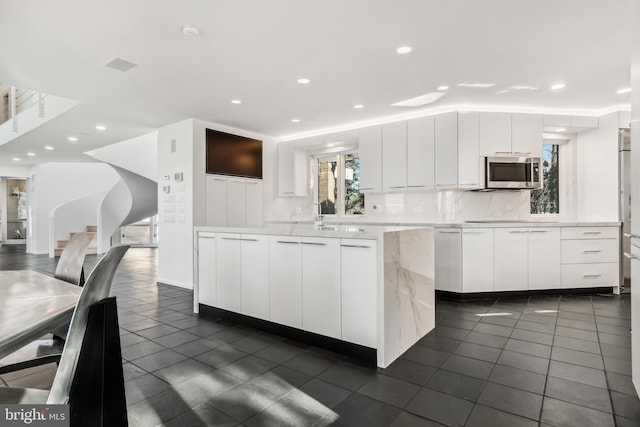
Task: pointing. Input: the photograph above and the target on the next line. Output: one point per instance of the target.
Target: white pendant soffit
(421, 100)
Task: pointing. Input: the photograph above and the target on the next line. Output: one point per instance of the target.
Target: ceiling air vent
(120, 64)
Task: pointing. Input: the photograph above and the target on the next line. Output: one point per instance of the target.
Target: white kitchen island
(363, 290)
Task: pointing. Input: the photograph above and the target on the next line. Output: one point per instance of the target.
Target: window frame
(340, 154)
(565, 172)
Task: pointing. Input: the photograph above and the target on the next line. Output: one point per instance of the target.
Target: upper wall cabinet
(571, 121)
(457, 158)
(505, 134)
(370, 148)
(292, 170)
(394, 156)
(421, 153)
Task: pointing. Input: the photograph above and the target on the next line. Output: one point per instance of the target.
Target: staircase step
(62, 243)
(92, 228)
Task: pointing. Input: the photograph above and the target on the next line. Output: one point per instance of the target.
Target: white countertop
(372, 232)
(497, 223)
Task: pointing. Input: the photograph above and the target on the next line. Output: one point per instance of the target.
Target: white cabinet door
(420, 153)
(477, 259)
(544, 258)
(254, 262)
(207, 269)
(510, 249)
(285, 280)
(292, 170)
(370, 149)
(321, 312)
(446, 150)
(236, 204)
(254, 203)
(448, 255)
(394, 156)
(359, 291)
(526, 134)
(469, 161)
(495, 134)
(635, 190)
(215, 201)
(228, 271)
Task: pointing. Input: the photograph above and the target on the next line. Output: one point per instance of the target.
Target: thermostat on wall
(177, 176)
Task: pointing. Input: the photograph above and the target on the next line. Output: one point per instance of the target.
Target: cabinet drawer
(590, 232)
(590, 275)
(588, 251)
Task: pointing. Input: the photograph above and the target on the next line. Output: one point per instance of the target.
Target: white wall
(597, 171)
(175, 209)
(184, 206)
(72, 217)
(138, 155)
(29, 120)
(53, 184)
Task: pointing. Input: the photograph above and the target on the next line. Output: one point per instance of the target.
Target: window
(338, 184)
(546, 200)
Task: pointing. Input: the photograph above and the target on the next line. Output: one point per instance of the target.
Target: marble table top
(31, 305)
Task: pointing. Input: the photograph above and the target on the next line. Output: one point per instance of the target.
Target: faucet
(318, 217)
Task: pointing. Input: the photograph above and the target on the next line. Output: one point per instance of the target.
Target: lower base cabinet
(321, 311)
(520, 259)
(254, 275)
(285, 280)
(359, 291)
(328, 286)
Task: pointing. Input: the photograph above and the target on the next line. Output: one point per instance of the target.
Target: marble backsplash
(435, 206)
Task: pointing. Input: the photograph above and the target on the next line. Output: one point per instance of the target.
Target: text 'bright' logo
(30, 415)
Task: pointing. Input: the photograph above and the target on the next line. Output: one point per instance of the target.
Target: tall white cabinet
(233, 201)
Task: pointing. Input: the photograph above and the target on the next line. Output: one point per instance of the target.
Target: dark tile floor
(541, 361)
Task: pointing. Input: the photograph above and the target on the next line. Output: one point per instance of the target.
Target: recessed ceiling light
(331, 145)
(358, 106)
(476, 84)
(295, 120)
(561, 129)
(304, 81)
(523, 87)
(236, 101)
(558, 86)
(73, 139)
(16, 159)
(503, 91)
(444, 87)
(48, 147)
(420, 100)
(190, 31)
(625, 90)
(31, 154)
(403, 50)
(101, 127)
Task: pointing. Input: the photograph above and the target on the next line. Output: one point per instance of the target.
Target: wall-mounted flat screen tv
(233, 155)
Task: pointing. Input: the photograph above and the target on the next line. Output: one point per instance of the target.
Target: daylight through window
(546, 200)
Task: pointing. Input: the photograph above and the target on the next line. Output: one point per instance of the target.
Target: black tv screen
(233, 155)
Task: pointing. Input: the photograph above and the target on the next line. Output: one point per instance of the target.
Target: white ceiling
(255, 50)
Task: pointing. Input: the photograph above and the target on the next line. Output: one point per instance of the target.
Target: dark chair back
(71, 260)
(96, 288)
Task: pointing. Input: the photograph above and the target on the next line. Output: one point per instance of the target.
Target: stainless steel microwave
(513, 172)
